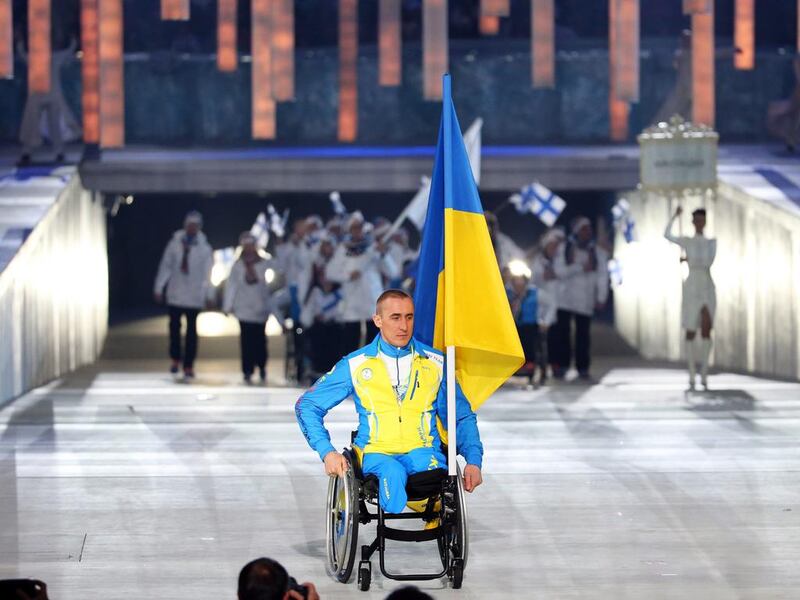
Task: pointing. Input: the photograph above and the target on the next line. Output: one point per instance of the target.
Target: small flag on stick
(260, 230)
(339, 208)
(540, 201)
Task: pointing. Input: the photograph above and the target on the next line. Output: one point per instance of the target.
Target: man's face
(584, 234)
(299, 230)
(357, 231)
(395, 319)
(699, 221)
(551, 248)
(192, 228)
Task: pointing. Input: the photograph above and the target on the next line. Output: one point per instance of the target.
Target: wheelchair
(350, 498)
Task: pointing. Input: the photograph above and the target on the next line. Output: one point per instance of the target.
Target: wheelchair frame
(347, 507)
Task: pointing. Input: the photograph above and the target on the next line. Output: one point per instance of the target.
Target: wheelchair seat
(420, 486)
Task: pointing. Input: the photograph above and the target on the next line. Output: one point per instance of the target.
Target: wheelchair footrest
(404, 535)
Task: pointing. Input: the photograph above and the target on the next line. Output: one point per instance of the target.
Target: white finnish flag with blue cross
(542, 202)
(623, 220)
(277, 224)
(615, 272)
(339, 208)
(260, 230)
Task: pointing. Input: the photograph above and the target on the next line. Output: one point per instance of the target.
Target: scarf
(187, 242)
(249, 262)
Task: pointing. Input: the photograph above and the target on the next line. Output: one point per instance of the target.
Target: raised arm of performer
(680, 240)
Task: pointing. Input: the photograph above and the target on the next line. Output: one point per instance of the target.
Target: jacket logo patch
(366, 374)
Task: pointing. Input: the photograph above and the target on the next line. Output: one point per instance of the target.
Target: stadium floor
(117, 482)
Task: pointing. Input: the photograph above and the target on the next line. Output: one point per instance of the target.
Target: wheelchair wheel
(461, 546)
(364, 578)
(458, 573)
(342, 525)
(455, 544)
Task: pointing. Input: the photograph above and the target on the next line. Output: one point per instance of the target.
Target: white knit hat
(579, 223)
(193, 217)
(355, 217)
(553, 235)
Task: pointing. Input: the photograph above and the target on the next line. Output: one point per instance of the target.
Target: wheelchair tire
(462, 531)
(342, 526)
(364, 577)
(456, 547)
(457, 575)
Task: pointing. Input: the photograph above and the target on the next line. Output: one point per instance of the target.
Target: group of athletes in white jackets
(325, 277)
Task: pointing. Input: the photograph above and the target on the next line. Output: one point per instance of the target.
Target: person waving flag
(461, 303)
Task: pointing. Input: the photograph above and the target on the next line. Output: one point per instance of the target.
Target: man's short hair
(263, 579)
(391, 293)
(699, 212)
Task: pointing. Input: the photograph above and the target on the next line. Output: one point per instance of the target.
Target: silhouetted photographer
(266, 579)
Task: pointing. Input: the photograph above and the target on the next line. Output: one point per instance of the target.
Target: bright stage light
(519, 268)
(215, 324)
(218, 274)
(274, 327)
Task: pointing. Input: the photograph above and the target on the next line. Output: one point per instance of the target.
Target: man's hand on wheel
(336, 464)
(472, 477)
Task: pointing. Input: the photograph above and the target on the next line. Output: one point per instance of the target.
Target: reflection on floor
(117, 482)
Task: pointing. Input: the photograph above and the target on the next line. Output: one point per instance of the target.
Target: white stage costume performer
(698, 292)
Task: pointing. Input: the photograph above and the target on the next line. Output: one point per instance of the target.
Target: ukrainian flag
(460, 298)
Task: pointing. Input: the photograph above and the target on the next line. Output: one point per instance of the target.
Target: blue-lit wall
(174, 99)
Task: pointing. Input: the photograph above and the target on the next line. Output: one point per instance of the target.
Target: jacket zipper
(413, 389)
(399, 400)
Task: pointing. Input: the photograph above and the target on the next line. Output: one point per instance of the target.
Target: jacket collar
(379, 344)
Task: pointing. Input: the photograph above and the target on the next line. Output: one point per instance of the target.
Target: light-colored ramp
(117, 482)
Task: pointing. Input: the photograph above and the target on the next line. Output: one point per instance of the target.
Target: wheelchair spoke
(342, 526)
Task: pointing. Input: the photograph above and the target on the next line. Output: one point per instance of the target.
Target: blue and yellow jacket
(386, 425)
(527, 311)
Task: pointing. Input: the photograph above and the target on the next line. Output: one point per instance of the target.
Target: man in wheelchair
(399, 390)
(398, 386)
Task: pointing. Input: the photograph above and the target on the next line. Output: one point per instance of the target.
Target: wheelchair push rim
(341, 526)
(462, 532)
(455, 543)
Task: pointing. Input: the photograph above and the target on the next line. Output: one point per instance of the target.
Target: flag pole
(451, 410)
(447, 125)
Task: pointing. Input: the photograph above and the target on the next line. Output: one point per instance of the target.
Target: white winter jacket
(579, 291)
(294, 261)
(548, 291)
(248, 302)
(321, 306)
(187, 290)
(359, 295)
(401, 255)
(507, 250)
